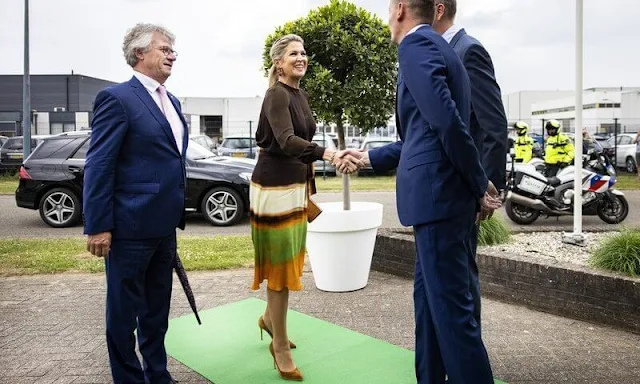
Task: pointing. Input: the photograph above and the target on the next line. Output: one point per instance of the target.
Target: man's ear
(401, 11)
(439, 13)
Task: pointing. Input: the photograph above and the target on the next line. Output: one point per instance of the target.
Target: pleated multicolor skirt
(278, 230)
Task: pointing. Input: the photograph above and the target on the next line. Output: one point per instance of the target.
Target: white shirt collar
(451, 32)
(415, 28)
(150, 84)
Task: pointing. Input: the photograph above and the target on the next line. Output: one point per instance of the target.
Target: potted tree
(351, 78)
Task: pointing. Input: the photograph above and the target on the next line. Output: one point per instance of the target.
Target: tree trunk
(346, 193)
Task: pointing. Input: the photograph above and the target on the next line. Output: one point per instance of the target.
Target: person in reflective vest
(559, 150)
(523, 145)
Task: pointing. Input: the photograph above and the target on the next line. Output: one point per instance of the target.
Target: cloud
(220, 43)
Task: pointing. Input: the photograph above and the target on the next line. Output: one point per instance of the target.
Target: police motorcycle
(530, 194)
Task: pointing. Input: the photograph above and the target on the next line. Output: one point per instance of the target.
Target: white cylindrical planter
(340, 245)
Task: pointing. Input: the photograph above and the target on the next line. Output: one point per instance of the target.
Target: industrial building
(62, 103)
(59, 103)
(603, 109)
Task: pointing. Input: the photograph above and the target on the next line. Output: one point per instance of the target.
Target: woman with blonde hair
(280, 187)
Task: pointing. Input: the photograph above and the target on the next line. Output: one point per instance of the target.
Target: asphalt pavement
(20, 222)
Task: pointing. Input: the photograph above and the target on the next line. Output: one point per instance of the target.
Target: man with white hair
(134, 191)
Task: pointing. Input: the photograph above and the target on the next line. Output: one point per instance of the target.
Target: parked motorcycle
(531, 194)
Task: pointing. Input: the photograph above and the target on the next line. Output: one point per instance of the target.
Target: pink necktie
(172, 116)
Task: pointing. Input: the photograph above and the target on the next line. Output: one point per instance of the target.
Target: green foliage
(352, 64)
(620, 253)
(492, 232)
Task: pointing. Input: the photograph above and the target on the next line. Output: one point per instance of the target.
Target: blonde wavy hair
(277, 52)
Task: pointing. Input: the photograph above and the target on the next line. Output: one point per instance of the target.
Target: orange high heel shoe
(294, 375)
(263, 327)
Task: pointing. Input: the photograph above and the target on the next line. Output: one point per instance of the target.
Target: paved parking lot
(19, 222)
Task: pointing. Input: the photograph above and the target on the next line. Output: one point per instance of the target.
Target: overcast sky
(220, 42)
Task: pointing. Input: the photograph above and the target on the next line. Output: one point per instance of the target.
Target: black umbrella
(184, 281)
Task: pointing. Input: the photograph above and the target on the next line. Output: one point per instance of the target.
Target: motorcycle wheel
(614, 209)
(520, 214)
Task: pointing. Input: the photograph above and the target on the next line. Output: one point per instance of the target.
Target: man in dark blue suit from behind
(488, 120)
(134, 190)
(440, 187)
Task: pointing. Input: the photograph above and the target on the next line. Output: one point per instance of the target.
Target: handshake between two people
(349, 160)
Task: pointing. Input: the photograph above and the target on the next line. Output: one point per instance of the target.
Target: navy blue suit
(439, 182)
(488, 126)
(134, 187)
(488, 122)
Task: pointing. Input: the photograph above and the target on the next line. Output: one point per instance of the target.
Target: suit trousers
(448, 340)
(474, 278)
(139, 282)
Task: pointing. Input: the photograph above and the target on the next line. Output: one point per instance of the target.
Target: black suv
(51, 181)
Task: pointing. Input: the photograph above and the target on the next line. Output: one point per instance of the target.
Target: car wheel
(630, 165)
(60, 208)
(222, 206)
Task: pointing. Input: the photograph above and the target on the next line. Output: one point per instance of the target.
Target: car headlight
(245, 175)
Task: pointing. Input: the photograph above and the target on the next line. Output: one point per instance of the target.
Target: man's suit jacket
(488, 119)
(439, 172)
(134, 180)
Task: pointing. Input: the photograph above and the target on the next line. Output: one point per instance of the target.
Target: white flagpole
(578, 237)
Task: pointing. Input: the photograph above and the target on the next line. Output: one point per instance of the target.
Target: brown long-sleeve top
(286, 126)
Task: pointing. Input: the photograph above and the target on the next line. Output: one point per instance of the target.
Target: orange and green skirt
(279, 232)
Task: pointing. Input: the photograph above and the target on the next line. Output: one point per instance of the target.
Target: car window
(375, 144)
(57, 148)
(196, 151)
(81, 153)
(239, 143)
(15, 144)
(625, 140)
(328, 143)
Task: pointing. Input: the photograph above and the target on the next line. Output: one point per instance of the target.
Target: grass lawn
(627, 181)
(8, 184)
(43, 256)
(358, 183)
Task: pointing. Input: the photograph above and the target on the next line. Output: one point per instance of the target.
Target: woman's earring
(280, 71)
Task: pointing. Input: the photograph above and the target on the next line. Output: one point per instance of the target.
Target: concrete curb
(563, 289)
